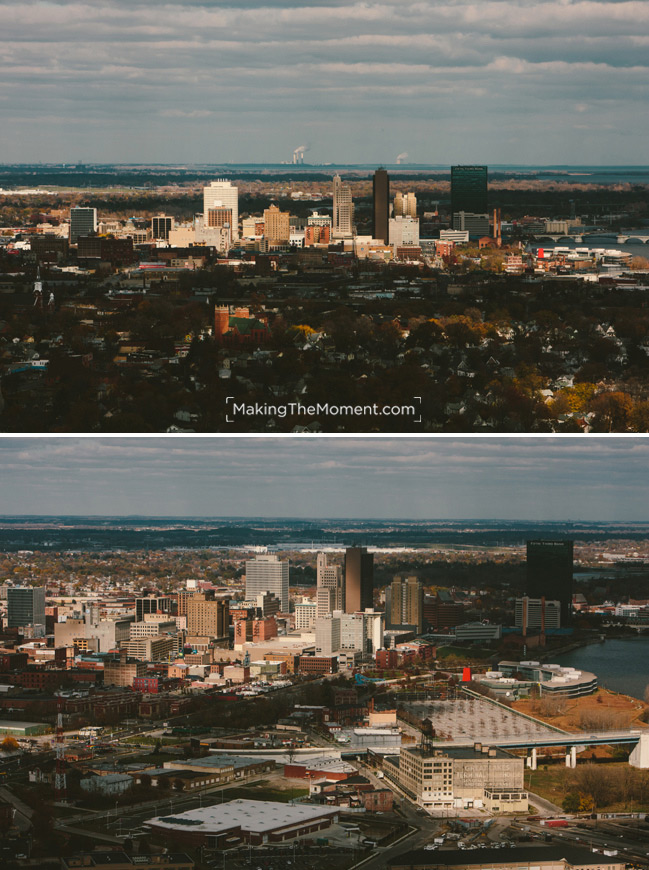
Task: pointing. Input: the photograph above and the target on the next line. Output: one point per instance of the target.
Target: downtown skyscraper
(330, 592)
(359, 579)
(343, 210)
(549, 570)
(469, 189)
(268, 574)
(380, 205)
(219, 196)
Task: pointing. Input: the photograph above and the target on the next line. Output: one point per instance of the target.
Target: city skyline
(381, 478)
(193, 81)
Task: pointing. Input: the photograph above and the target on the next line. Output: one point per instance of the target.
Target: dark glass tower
(151, 604)
(469, 189)
(549, 573)
(25, 606)
(359, 579)
(381, 205)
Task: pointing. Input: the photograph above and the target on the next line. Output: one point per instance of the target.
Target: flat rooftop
(457, 752)
(216, 761)
(252, 816)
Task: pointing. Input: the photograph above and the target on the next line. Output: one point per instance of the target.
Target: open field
(603, 710)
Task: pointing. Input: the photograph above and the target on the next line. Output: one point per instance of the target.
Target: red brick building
(318, 665)
(237, 327)
(388, 659)
(148, 685)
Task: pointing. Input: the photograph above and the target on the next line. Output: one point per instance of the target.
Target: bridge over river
(571, 740)
(622, 238)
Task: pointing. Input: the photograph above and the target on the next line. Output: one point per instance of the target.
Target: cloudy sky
(500, 478)
(494, 81)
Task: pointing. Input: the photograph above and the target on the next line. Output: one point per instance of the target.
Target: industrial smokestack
(298, 154)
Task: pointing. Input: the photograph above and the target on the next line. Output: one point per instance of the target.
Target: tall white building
(343, 210)
(83, 222)
(222, 194)
(343, 632)
(268, 574)
(305, 615)
(327, 636)
(403, 231)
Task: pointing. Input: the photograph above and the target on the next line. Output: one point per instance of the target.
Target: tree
(571, 802)
(639, 263)
(9, 744)
(612, 411)
(640, 417)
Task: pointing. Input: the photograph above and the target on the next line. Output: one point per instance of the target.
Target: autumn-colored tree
(586, 803)
(640, 417)
(463, 331)
(573, 399)
(613, 411)
(9, 744)
(640, 264)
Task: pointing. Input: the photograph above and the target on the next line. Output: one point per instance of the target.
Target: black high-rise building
(25, 606)
(469, 189)
(359, 579)
(549, 573)
(381, 205)
(151, 604)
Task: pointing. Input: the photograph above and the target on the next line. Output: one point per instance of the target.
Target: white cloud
(409, 477)
(288, 64)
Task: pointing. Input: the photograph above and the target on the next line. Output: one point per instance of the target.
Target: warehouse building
(256, 822)
(11, 728)
(226, 767)
(461, 777)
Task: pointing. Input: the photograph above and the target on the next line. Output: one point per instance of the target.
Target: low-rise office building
(551, 679)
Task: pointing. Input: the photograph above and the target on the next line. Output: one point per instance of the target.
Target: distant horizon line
(411, 165)
(319, 519)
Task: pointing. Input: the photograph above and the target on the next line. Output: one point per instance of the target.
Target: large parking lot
(473, 719)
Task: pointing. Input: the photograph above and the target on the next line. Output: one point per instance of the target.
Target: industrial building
(226, 767)
(461, 777)
(13, 728)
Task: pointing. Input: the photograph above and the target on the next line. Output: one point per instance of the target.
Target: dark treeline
(103, 534)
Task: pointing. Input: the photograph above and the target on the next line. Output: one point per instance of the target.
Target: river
(600, 240)
(621, 664)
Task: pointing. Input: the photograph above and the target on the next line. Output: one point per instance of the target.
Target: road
(543, 806)
(630, 840)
